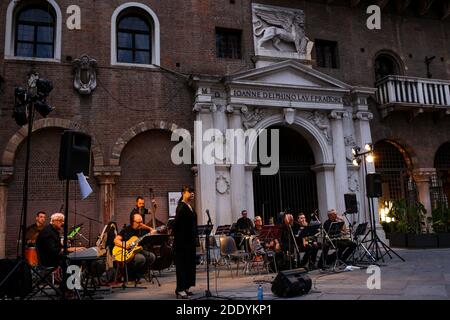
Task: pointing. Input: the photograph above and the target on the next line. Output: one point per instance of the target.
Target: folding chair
(229, 251)
(44, 278)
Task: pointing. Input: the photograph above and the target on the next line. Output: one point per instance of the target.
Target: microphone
(209, 217)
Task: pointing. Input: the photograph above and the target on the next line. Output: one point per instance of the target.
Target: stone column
(340, 172)
(422, 177)
(237, 171)
(326, 188)
(206, 173)
(5, 177)
(249, 190)
(107, 179)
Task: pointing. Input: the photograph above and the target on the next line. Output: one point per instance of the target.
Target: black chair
(44, 278)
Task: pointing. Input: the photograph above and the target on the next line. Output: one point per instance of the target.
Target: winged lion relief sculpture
(280, 26)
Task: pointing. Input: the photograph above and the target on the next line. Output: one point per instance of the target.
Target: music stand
(334, 231)
(360, 231)
(309, 231)
(223, 230)
(154, 240)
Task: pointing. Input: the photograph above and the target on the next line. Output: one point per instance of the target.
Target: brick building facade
(134, 108)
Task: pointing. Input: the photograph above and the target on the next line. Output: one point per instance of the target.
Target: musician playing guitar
(309, 246)
(141, 259)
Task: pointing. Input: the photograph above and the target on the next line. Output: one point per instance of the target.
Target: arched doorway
(146, 163)
(294, 186)
(45, 191)
(442, 165)
(394, 164)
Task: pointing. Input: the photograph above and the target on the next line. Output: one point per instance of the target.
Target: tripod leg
(390, 249)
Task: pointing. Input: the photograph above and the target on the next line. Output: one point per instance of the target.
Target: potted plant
(397, 229)
(440, 219)
(408, 221)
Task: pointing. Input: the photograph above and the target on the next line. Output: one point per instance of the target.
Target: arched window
(35, 32)
(134, 35)
(133, 39)
(385, 65)
(393, 163)
(441, 187)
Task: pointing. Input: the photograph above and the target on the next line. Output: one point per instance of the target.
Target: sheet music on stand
(309, 231)
(269, 233)
(223, 230)
(335, 229)
(204, 230)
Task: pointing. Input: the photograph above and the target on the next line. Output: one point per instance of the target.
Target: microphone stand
(208, 295)
(90, 225)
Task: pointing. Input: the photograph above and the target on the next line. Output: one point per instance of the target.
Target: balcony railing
(411, 93)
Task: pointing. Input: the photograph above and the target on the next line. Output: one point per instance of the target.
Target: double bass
(159, 244)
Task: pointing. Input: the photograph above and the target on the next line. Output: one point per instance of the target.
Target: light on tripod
(368, 147)
(43, 108)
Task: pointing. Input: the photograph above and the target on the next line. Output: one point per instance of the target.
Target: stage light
(20, 113)
(43, 108)
(369, 158)
(368, 147)
(43, 87)
(355, 151)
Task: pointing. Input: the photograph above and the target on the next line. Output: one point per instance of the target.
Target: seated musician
(244, 228)
(345, 247)
(258, 224)
(33, 230)
(48, 242)
(308, 246)
(142, 260)
(244, 224)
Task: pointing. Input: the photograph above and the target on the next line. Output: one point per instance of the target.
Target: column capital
(423, 174)
(338, 114)
(363, 115)
(6, 174)
(204, 107)
(236, 108)
(107, 174)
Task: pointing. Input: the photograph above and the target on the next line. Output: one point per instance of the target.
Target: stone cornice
(323, 167)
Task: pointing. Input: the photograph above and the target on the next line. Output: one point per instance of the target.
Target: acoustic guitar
(125, 255)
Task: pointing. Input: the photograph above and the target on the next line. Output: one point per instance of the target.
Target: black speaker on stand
(74, 157)
(351, 204)
(291, 283)
(374, 185)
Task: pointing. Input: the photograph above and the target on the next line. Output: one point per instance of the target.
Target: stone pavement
(425, 275)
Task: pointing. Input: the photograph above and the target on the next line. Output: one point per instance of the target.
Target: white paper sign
(85, 188)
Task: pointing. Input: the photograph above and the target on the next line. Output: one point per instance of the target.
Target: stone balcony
(415, 95)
